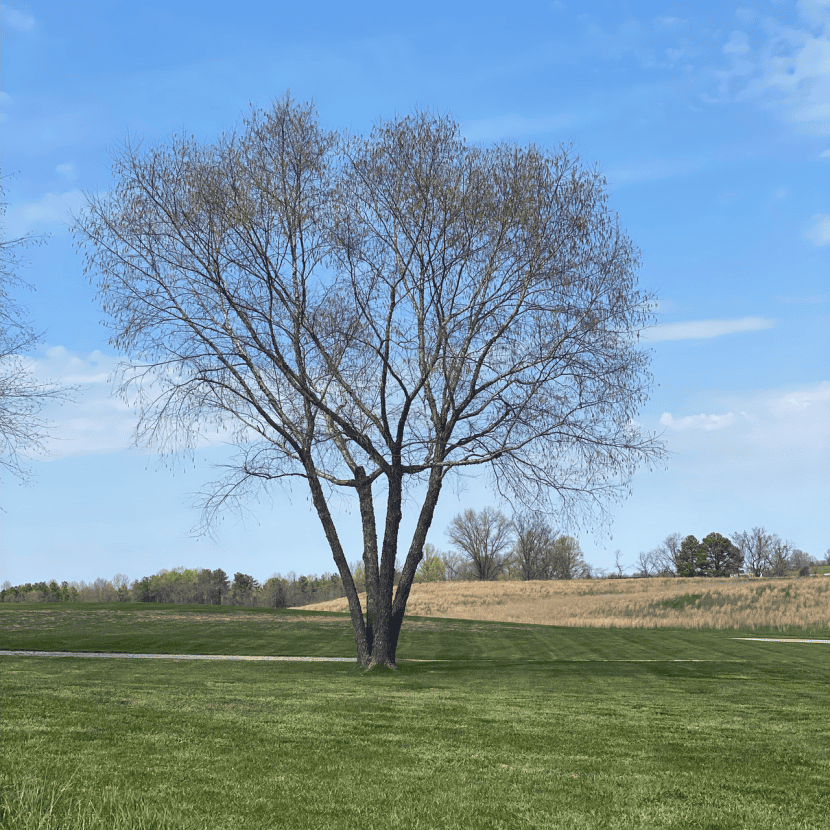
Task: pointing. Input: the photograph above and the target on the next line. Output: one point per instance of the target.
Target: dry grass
(626, 603)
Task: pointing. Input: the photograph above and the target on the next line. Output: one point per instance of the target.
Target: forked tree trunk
(377, 636)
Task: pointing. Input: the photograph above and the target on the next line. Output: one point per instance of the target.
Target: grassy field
(522, 726)
(772, 603)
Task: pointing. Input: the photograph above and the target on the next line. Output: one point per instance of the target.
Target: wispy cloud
(704, 329)
(702, 421)
(52, 208)
(14, 19)
(96, 421)
(768, 448)
(789, 69)
(67, 171)
(819, 231)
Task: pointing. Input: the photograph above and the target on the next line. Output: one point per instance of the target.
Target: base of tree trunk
(381, 665)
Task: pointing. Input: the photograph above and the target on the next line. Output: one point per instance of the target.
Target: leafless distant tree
(647, 563)
(540, 553)
(757, 547)
(567, 559)
(372, 314)
(485, 537)
(780, 556)
(665, 556)
(22, 396)
(799, 560)
(533, 546)
(457, 566)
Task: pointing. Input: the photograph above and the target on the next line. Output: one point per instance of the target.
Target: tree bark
(384, 650)
(319, 500)
(414, 556)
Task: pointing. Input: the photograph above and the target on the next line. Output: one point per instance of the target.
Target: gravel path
(5, 653)
(782, 640)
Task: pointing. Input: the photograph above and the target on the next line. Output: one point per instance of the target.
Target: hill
(625, 603)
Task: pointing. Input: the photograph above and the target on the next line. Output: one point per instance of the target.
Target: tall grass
(626, 603)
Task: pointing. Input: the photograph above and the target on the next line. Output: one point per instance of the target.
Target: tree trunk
(413, 557)
(377, 636)
(370, 561)
(383, 651)
(358, 624)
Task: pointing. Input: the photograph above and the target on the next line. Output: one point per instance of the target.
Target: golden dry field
(625, 603)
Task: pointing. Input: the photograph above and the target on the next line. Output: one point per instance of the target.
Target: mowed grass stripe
(464, 745)
(279, 632)
(522, 727)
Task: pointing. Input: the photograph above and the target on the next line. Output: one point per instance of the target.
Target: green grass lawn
(524, 726)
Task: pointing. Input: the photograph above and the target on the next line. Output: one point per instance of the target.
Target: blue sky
(711, 122)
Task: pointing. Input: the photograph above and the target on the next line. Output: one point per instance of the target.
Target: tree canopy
(371, 314)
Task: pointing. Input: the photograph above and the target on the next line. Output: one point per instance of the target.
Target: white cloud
(819, 231)
(49, 209)
(15, 19)
(96, 421)
(774, 441)
(816, 11)
(704, 329)
(704, 422)
(67, 171)
(789, 69)
(824, 155)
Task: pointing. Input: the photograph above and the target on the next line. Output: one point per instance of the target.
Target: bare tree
(377, 313)
(780, 560)
(567, 559)
(457, 567)
(757, 548)
(533, 546)
(666, 555)
(647, 563)
(485, 538)
(22, 396)
(799, 560)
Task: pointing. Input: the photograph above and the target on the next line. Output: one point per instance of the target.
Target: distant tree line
(486, 545)
(189, 586)
(755, 553)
